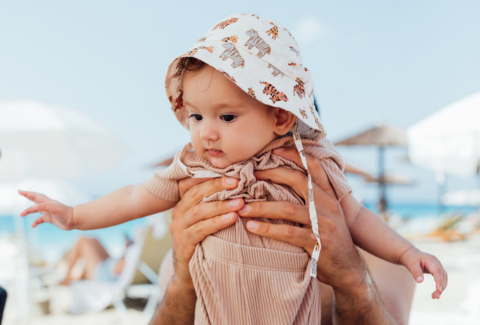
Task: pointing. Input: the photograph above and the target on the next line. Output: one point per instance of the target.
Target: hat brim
(248, 71)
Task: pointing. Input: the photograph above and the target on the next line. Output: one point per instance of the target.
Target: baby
(242, 91)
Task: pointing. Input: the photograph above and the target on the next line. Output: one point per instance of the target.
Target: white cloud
(309, 30)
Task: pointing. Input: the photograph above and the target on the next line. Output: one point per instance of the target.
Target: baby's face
(226, 124)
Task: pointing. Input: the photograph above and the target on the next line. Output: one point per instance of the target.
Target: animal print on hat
(299, 88)
(275, 95)
(248, 50)
(258, 42)
(275, 72)
(273, 31)
(225, 23)
(232, 53)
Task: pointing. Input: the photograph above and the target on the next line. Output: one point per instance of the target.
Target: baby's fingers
(38, 221)
(32, 196)
(439, 275)
(42, 207)
(417, 272)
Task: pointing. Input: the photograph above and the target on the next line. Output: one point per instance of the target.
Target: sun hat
(263, 59)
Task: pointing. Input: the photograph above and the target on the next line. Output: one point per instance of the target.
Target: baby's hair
(191, 64)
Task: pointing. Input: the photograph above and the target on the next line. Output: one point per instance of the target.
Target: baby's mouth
(214, 152)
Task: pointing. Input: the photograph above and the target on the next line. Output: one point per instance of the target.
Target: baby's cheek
(245, 148)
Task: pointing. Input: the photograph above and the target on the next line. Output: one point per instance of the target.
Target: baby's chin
(220, 162)
(223, 162)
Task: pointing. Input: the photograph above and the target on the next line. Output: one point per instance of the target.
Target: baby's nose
(209, 131)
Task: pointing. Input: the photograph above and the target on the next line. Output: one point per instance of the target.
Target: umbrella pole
(478, 185)
(381, 179)
(442, 189)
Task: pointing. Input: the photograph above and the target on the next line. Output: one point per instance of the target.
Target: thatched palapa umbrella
(390, 179)
(380, 136)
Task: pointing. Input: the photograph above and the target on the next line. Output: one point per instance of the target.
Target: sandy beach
(461, 260)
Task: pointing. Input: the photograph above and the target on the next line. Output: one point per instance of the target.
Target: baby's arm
(122, 205)
(375, 236)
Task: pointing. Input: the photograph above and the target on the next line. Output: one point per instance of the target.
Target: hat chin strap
(311, 203)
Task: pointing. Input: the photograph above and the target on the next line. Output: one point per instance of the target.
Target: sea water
(51, 242)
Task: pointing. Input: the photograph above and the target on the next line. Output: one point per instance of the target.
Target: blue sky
(371, 61)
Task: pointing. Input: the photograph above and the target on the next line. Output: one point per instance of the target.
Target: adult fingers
(185, 184)
(286, 176)
(195, 194)
(207, 210)
(289, 154)
(317, 172)
(302, 237)
(325, 204)
(33, 196)
(198, 231)
(276, 210)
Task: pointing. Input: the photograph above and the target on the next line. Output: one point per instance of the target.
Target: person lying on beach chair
(99, 265)
(106, 281)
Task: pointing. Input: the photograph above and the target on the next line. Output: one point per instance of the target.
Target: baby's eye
(228, 117)
(197, 117)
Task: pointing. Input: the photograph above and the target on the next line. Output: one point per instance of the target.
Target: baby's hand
(53, 211)
(418, 263)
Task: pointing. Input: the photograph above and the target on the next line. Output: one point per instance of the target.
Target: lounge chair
(138, 279)
(447, 231)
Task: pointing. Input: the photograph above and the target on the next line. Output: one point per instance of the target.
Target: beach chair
(142, 261)
(145, 282)
(447, 231)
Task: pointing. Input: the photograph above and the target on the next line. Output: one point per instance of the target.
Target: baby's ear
(284, 121)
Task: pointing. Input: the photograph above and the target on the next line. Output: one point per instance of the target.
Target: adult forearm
(109, 210)
(361, 306)
(178, 306)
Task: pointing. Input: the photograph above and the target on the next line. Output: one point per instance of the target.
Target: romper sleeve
(333, 164)
(164, 183)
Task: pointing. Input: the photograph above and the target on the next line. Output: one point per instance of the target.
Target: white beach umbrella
(448, 141)
(13, 203)
(43, 141)
(462, 197)
(53, 142)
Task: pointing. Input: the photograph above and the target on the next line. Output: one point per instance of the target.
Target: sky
(371, 61)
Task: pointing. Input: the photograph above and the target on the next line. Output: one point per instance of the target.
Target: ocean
(51, 242)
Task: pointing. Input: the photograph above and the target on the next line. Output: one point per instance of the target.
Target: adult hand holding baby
(53, 211)
(329, 221)
(339, 265)
(192, 222)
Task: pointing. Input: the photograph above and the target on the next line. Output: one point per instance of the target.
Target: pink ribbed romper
(242, 278)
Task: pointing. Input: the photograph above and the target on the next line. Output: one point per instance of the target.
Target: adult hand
(192, 222)
(339, 264)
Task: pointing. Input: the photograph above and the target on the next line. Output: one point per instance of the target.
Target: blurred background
(83, 111)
